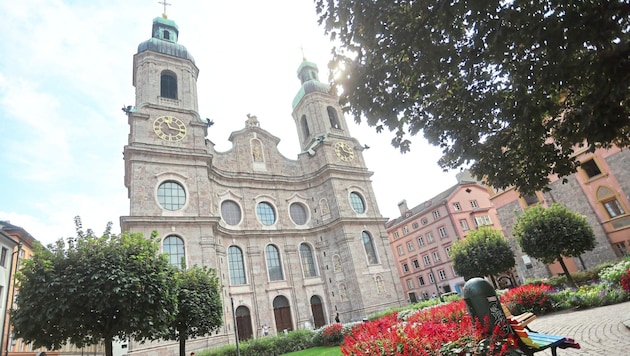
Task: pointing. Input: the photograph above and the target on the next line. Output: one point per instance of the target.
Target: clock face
(344, 151)
(169, 128)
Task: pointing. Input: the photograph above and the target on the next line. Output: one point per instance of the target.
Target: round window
(171, 195)
(357, 203)
(231, 212)
(265, 213)
(298, 213)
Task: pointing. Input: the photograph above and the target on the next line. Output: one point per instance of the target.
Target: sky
(66, 72)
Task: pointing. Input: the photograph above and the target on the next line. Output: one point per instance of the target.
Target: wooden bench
(524, 318)
(531, 342)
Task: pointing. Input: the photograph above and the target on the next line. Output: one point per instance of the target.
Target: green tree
(550, 233)
(93, 289)
(510, 87)
(483, 252)
(199, 305)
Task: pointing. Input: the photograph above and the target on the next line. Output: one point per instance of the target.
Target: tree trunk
(566, 273)
(108, 346)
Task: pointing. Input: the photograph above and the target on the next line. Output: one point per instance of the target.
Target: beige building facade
(294, 240)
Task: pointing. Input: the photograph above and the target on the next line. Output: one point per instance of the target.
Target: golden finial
(163, 2)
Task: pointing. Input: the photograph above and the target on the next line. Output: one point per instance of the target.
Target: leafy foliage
(267, 346)
(511, 86)
(484, 252)
(625, 281)
(93, 289)
(550, 233)
(199, 310)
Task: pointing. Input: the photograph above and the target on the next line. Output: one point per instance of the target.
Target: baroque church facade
(295, 242)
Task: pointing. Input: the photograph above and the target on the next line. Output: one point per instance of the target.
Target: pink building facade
(421, 238)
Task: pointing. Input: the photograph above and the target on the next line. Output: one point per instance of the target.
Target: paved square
(600, 331)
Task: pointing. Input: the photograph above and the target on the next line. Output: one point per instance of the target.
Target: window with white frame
(464, 224)
(421, 280)
(409, 284)
(396, 234)
(608, 198)
(410, 246)
(431, 278)
(442, 275)
(442, 231)
(473, 203)
(400, 251)
(405, 267)
(436, 214)
(613, 207)
(429, 236)
(416, 264)
(420, 241)
(483, 220)
(448, 251)
(415, 225)
(436, 256)
(457, 206)
(405, 230)
(426, 259)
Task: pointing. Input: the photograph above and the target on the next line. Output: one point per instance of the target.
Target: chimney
(402, 206)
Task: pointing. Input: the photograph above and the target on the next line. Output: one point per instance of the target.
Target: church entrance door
(243, 323)
(282, 313)
(318, 312)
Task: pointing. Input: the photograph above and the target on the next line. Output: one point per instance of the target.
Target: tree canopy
(550, 233)
(93, 289)
(510, 88)
(483, 252)
(199, 305)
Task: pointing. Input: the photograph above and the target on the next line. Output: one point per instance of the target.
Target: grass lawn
(317, 351)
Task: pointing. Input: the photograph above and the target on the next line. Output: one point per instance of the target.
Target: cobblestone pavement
(600, 331)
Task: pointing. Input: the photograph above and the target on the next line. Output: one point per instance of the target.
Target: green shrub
(267, 346)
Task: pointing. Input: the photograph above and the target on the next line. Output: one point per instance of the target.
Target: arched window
(166, 35)
(168, 85)
(307, 132)
(332, 116)
(173, 247)
(274, 265)
(608, 198)
(370, 251)
(237, 267)
(308, 262)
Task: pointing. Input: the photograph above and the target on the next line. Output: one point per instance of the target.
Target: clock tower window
(307, 132)
(334, 120)
(168, 85)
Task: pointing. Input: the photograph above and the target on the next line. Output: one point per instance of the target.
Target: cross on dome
(163, 2)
